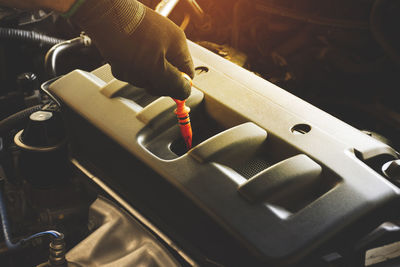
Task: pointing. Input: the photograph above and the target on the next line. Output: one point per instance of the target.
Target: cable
(6, 230)
(49, 232)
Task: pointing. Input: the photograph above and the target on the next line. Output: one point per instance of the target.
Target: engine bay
(294, 159)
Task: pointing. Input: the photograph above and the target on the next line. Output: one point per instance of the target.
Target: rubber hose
(377, 29)
(4, 224)
(28, 36)
(17, 120)
(6, 230)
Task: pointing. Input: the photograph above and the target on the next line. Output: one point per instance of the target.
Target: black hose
(378, 29)
(17, 120)
(6, 229)
(28, 36)
(4, 223)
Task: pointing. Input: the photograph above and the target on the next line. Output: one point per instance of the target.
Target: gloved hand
(142, 47)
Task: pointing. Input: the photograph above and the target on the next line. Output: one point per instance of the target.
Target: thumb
(171, 82)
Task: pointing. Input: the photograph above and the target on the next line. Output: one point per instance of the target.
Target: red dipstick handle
(182, 113)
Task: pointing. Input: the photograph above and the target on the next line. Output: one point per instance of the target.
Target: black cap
(44, 129)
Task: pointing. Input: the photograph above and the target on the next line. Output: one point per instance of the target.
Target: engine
(294, 159)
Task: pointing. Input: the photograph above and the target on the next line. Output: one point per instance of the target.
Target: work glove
(142, 47)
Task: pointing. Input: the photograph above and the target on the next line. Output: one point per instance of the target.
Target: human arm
(142, 47)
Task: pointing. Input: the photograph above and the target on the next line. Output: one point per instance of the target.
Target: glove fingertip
(185, 92)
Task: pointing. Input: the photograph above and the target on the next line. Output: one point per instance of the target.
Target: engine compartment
(271, 180)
